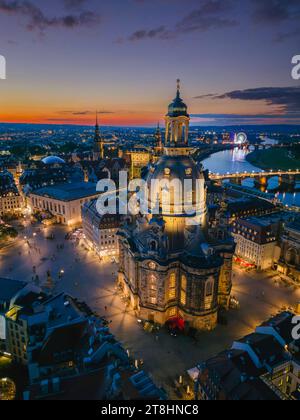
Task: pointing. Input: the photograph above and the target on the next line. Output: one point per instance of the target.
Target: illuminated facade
(169, 267)
(100, 231)
(255, 243)
(136, 159)
(64, 201)
(11, 202)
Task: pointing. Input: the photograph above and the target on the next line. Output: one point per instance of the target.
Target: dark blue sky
(67, 58)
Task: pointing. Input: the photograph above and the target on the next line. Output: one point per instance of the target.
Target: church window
(152, 289)
(209, 290)
(183, 290)
(172, 286)
(172, 312)
(152, 265)
(153, 246)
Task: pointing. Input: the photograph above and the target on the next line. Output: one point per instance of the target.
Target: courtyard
(75, 270)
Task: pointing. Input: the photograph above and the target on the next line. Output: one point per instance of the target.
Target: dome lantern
(177, 123)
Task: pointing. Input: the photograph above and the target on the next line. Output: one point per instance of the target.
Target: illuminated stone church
(170, 268)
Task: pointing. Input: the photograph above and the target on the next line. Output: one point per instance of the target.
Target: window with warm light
(152, 289)
(172, 286)
(183, 290)
(172, 312)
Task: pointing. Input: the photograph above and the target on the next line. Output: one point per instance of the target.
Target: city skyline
(123, 59)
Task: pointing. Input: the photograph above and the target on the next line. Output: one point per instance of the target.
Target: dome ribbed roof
(178, 108)
(52, 160)
(176, 167)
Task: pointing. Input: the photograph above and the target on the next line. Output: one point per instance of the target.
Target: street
(79, 272)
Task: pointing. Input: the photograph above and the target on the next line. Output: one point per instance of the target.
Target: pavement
(88, 278)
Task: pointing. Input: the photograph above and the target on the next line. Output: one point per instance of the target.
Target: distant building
(243, 208)
(255, 242)
(63, 201)
(11, 202)
(94, 171)
(100, 231)
(50, 171)
(136, 159)
(289, 263)
(158, 147)
(98, 148)
(12, 166)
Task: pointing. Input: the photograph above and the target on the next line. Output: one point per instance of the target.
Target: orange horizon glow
(138, 114)
(107, 120)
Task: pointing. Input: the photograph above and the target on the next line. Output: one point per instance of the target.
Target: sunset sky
(68, 58)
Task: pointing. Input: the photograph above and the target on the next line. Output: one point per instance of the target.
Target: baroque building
(170, 267)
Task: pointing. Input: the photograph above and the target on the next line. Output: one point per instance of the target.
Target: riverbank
(273, 159)
(201, 155)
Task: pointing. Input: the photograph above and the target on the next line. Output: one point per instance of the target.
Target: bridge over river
(286, 178)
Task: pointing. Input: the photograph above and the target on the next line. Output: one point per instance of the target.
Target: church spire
(178, 87)
(97, 129)
(158, 137)
(98, 142)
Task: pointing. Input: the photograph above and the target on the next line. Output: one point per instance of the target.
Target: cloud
(287, 99)
(239, 116)
(159, 32)
(212, 14)
(37, 20)
(243, 119)
(78, 113)
(74, 4)
(275, 11)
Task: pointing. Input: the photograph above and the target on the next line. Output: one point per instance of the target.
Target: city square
(84, 276)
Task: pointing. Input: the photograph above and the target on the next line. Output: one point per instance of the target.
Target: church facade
(171, 267)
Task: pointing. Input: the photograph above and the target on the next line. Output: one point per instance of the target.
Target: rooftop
(68, 192)
(282, 324)
(266, 348)
(295, 225)
(53, 160)
(235, 376)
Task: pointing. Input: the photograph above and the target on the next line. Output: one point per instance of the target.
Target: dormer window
(152, 266)
(188, 171)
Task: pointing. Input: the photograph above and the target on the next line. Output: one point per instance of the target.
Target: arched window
(172, 286)
(153, 246)
(183, 290)
(152, 289)
(209, 288)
